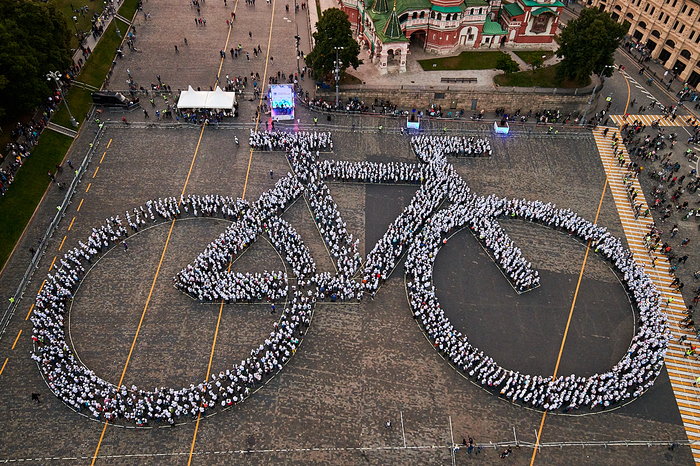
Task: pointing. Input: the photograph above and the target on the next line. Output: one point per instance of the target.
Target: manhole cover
(251, 440)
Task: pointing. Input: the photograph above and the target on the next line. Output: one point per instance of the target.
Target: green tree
(34, 39)
(506, 63)
(333, 30)
(588, 44)
(536, 62)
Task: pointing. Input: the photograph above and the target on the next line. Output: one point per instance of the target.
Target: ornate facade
(668, 28)
(442, 25)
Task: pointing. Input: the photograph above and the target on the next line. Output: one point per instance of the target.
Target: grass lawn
(544, 77)
(84, 22)
(349, 79)
(98, 63)
(79, 101)
(22, 197)
(528, 55)
(463, 61)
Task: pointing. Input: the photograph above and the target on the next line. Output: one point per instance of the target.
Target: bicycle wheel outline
(548, 381)
(105, 385)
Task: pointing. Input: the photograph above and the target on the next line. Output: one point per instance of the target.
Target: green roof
(392, 30)
(406, 5)
(544, 9)
(380, 6)
(449, 9)
(492, 29)
(513, 9)
(468, 3)
(534, 3)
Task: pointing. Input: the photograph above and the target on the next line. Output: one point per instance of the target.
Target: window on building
(403, 17)
(685, 7)
(674, 3)
(685, 54)
(670, 43)
(661, 16)
(697, 39)
(646, 8)
(422, 15)
(415, 15)
(642, 25)
(690, 13)
(652, 10)
(432, 14)
(666, 20)
(680, 31)
(692, 34)
(439, 16)
(448, 17)
(479, 10)
(656, 34)
(675, 25)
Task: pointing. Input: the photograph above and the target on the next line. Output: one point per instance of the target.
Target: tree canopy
(506, 63)
(34, 39)
(333, 30)
(588, 44)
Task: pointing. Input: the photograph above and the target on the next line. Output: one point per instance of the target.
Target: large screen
(282, 101)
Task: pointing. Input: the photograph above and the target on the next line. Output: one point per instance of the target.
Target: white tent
(216, 99)
(192, 99)
(220, 99)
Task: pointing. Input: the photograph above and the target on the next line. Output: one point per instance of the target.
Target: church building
(387, 29)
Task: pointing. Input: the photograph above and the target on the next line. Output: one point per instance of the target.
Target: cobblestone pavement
(360, 364)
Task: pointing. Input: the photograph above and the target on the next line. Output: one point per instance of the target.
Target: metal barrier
(26, 279)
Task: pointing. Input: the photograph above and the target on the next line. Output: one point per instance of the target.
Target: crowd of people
(84, 391)
(421, 229)
(455, 146)
(626, 380)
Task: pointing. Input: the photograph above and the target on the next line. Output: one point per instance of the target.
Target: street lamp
(337, 64)
(55, 75)
(298, 39)
(590, 100)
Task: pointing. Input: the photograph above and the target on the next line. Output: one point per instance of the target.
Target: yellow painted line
(89, 184)
(218, 322)
(105, 152)
(42, 286)
(150, 293)
(262, 94)
(629, 93)
(138, 329)
(3, 365)
(568, 322)
(71, 224)
(108, 144)
(63, 241)
(52, 263)
(96, 170)
(17, 339)
(80, 205)
(30, 312)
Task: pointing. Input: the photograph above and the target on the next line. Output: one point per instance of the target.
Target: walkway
(682, 371)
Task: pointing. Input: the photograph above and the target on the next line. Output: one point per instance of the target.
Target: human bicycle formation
(419, 232)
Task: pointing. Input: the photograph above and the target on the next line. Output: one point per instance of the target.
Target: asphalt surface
(360, 364)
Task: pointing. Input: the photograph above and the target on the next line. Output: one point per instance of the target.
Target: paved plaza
(360, 364)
